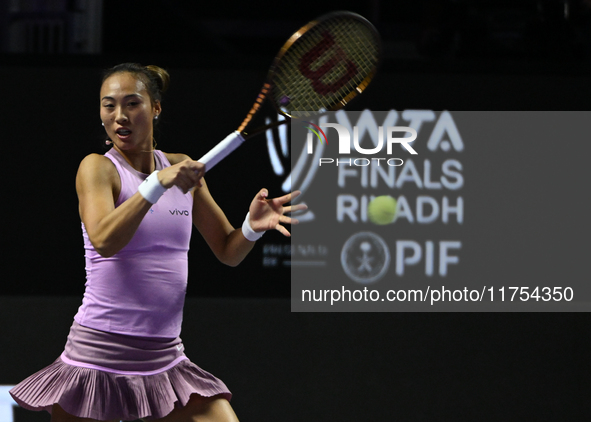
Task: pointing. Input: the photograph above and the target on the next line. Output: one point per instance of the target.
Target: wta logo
(358, 138)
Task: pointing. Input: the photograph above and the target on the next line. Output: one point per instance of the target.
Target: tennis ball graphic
(381, 210)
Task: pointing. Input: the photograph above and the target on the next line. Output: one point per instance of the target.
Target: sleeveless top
(141, 289)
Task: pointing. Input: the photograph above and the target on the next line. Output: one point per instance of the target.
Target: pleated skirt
(107, 376)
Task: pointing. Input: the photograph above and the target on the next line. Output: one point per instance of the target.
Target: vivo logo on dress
(178, 212)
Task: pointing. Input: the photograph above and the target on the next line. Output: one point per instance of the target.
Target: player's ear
(157, 109)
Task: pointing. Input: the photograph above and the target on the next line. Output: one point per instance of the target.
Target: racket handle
(222, 150)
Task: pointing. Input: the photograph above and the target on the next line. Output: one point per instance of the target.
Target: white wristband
(248, 232)
(151, 189)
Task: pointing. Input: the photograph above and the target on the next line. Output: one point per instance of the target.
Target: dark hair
(154, 78)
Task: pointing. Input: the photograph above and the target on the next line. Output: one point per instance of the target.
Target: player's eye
(133, 103)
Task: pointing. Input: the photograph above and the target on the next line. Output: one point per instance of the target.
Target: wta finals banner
(422, 210)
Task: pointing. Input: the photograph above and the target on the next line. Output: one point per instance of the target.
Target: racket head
(324, 65)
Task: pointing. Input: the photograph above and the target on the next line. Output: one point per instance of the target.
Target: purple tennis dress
(124, 358)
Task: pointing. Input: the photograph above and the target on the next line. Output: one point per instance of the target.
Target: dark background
(455, 55)
(438, 55)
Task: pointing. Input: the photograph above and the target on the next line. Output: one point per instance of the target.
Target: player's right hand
(186, 175)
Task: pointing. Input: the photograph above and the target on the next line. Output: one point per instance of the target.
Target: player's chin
(122, 142)
(130, 144)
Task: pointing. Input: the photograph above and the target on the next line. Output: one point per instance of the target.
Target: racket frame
(268, 85)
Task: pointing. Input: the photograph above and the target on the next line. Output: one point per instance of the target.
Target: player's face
(128, 112)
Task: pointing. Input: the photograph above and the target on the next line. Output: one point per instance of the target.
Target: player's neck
(142, 161)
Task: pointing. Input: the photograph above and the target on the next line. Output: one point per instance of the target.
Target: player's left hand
(269, 214)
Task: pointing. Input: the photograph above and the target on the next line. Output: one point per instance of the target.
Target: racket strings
(365, 58)
(327, 66)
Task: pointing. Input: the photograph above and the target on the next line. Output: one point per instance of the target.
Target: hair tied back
(161, 77)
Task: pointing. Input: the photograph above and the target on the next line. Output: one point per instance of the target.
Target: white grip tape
(222, 150)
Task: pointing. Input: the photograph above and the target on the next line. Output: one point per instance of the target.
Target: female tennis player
(124, 359)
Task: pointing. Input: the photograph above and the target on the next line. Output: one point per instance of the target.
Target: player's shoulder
(94, 164)
(95, 160)
(174, 158)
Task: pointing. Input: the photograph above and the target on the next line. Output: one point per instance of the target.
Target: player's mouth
(123, 133)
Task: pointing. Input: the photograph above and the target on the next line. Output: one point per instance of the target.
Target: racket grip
(222, 150)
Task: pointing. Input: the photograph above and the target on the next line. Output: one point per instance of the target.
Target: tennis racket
(323, 66)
